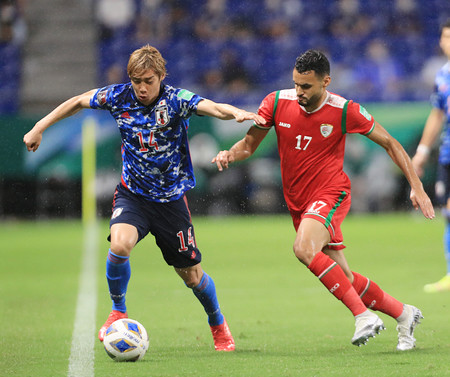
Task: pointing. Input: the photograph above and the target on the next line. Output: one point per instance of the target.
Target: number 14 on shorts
(190, 240)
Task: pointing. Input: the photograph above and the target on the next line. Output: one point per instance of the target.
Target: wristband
(423, 149)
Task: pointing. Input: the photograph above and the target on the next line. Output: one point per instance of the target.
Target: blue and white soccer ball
(126, 340)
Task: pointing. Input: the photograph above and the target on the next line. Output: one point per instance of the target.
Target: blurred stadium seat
(192, 36)
(267, 45)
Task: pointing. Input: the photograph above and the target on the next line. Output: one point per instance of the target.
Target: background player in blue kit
(153, 119)
(439, 115)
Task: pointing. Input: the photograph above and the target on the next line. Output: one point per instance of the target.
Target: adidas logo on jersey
(286, 125)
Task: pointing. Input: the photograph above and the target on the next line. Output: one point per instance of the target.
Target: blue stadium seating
(267, 58)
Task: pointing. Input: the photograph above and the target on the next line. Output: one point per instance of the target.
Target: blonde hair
(146, 57)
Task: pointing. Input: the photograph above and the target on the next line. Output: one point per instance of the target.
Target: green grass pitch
(283, 320)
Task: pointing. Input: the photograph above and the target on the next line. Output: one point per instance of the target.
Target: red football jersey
(312, 145)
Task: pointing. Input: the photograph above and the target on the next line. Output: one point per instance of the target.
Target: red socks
(362, 295)
(375, 298)
(333, 277)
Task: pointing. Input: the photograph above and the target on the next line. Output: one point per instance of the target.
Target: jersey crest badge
(162, 113)
(326, 129)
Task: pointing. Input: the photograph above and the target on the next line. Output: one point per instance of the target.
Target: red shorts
(330, 210)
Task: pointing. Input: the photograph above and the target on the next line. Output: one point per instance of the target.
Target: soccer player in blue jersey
(153, 120)
(439, 115)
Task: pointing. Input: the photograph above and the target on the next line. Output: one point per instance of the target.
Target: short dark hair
(313, 60)
(445, 24)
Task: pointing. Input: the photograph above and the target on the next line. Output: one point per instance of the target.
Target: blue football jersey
(441, 100)
(155, 152)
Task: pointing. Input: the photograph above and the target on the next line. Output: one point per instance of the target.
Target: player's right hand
(223, 159)
(32, 140)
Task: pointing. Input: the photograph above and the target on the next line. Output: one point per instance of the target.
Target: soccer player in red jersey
(311, 124)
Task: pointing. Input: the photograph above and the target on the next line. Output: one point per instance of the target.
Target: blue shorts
(170, 223)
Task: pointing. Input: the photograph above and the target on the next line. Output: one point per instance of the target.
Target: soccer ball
(126, 340)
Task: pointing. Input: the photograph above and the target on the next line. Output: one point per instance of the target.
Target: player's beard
(309, 103)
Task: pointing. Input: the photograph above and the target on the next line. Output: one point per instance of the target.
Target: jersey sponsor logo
(116, 213)
(364, 113)
(286, 125)
(326, 129)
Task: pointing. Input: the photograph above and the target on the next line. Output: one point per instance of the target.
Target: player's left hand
(32, 140)
(421, 200)
(223, 159)
(242, 115)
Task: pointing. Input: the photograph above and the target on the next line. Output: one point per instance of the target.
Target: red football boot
(223, 340)
(113, 316)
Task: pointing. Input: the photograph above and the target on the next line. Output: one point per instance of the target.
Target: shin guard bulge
(333, 277)
(375, 298)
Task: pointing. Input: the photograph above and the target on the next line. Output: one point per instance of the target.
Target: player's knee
(121, 247)
(303, 253)
(190, 277)
(191, 281)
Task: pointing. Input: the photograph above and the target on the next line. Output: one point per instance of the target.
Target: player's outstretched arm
(227, 112)
(431, 132)
(418, 196)
(243, 149)
(70, 107)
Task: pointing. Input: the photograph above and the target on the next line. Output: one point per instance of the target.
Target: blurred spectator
(180, 19)
(277, 28)
(212, 22)
(289, 9)
(204, 33)
(116, 74)
(405, 19)
(378, 74)
(349, 21)
(13, 32)
(233, 70)
(12, 24)
(428, 73)
(212, 82)
(114, 16)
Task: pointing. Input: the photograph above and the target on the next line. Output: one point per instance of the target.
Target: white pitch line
(81, 361)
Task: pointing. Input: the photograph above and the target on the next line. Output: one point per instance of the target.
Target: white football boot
(367, 325)
(406, 324)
